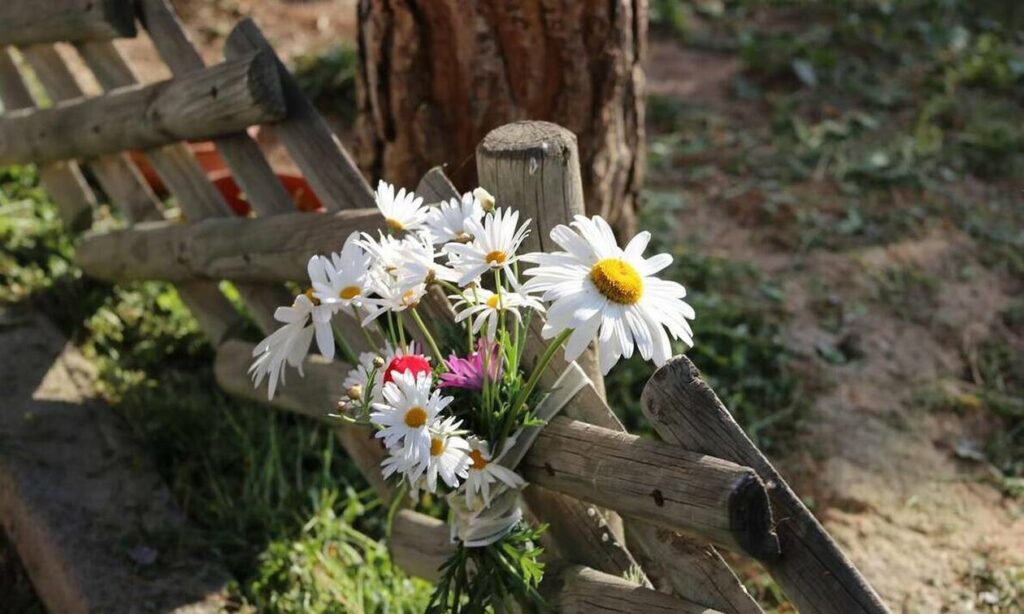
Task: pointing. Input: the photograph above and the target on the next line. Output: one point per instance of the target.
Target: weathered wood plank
(812, 570)
(419, 545)
(316, 150)
(123, 183)
(24, 22)
(94, 524)
(271, 249)
(63, 180)
(249, 167)
(224, 98)
(707, 497)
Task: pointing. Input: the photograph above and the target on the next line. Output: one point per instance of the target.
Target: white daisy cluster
(592, 291)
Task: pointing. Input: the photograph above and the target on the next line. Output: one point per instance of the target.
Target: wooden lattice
(635, 523)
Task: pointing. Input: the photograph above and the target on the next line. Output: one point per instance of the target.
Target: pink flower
(468, 372)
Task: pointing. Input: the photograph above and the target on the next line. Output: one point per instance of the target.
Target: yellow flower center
(617, 280)
(408, 297)
(436, 446)
(415, 417)
(493, 301)
(479, 462)
(312, 297)
(350, 292)
(394, 224)
(496, 257)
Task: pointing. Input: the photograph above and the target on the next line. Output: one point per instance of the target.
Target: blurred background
(839, 182)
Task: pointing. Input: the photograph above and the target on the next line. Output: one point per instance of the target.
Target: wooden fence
(655, 512)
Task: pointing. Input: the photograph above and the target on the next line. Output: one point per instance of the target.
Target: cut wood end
(264, 83)
(528, 139)
(750, 518)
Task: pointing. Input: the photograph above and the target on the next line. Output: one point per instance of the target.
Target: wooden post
(225, 98)
(25, 22)
(812, 570)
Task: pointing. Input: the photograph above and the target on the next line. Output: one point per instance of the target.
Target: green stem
(346, 349)
(396, 503)
(527, 389)
(430, 338)
(401, 329)
(371, 346)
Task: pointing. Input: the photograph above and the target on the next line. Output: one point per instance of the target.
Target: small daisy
(290, 344)
(403, 211)
(347, 276)
(322, 312)
(385, 254)
(408, 412)
(393, 296)
(393, 360)
(447, 222)
(484, 307)
(600, 290)
(448, 459)
(418, 263)
(360, 376)
(484, 471)
(494, 245)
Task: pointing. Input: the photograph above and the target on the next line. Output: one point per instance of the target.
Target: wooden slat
(420, 545)
(63, 180)
(271, 249)
(248, 166)
(127, 190)
(224, 98)
(812, 570)
(24, 22)
(315, 149)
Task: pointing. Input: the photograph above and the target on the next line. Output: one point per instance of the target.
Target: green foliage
(329, 80)
(332, 567)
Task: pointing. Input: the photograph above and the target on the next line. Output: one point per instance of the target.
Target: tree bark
(436, 75)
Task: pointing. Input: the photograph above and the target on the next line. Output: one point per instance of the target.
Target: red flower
(401, 364)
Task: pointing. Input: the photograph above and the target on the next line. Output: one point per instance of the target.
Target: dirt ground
(894, 483)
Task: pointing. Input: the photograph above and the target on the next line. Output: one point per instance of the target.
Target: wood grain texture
(323, 160)
(712, 499)
(274, 248)
(62, 180)
(420, 544)
(123, 183)
(249, 167)
(812, 570)
(435, 76)
(25, 22)
(224, 98)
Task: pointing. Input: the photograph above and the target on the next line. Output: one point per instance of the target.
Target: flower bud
(354, 392)
(485, 198)
(378, 362)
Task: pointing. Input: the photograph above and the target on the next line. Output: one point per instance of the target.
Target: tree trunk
(436, 75)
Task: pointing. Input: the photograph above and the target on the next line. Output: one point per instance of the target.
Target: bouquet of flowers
(449, 403)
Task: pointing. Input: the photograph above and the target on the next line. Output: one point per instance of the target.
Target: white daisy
(403, 211)
(448, 459)
(290, 344)
(408, 412)
(385, 254)
(598, 289)
(447, 222)
(482, 306)
(484, 471)
(321, 313)
(418, 263)
(494, 245)
(393, 295)
(347, 276)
